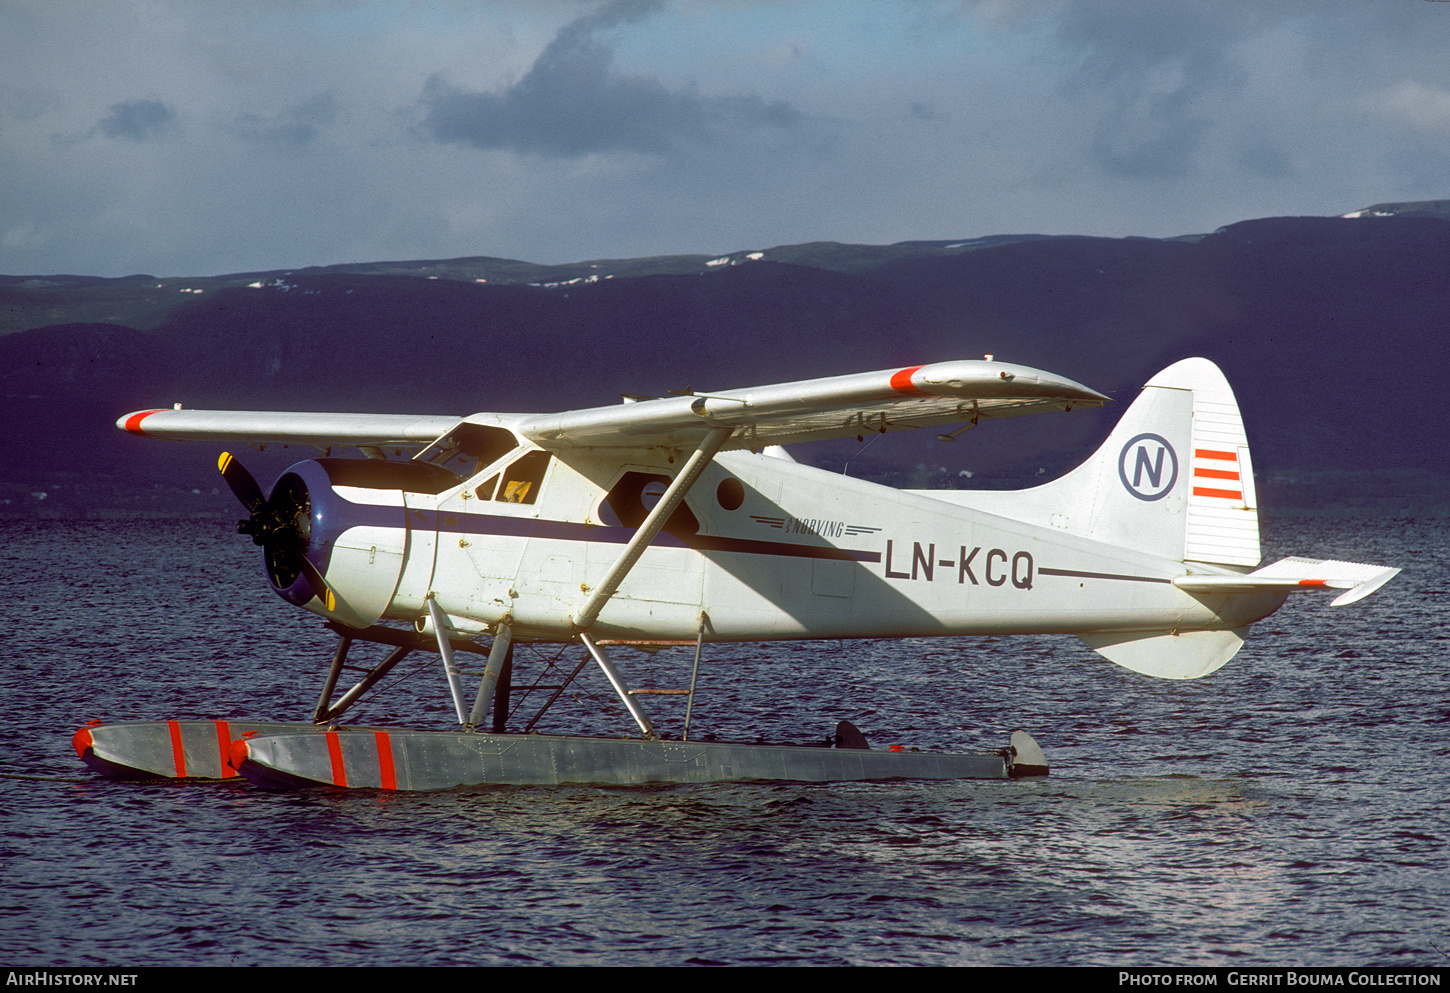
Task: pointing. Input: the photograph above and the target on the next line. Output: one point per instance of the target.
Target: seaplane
(682, 521)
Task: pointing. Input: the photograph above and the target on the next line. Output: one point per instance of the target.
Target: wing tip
(132, 422)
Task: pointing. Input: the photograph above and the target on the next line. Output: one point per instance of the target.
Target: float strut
(330, 683)
(694, 675)
(558, 691)
(503, 642)
(440, 629)
(365, 684)
(620, 686)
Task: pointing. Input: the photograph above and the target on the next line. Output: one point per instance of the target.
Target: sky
(202, 137)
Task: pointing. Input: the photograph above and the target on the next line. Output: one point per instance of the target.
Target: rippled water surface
(1289, 810)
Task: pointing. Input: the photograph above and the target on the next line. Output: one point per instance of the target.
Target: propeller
(281, 526)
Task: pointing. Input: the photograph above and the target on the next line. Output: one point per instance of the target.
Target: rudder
(1223, 506)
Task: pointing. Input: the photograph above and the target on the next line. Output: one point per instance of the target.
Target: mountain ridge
(1289, 307)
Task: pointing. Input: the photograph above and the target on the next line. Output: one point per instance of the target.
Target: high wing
(179, 424)
(814, 409)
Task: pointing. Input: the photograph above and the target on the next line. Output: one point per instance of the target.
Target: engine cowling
(335, 533)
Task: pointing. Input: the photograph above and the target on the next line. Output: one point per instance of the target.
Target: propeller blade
(320, 589)
(279, 525)
(242, 483)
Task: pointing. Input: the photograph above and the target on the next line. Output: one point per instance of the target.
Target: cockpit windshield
(469, 448)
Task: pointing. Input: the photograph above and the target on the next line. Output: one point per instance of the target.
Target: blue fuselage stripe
(370, 515)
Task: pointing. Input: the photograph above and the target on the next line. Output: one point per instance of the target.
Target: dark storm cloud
(294, 127)
(1160, 68)
(1153, 137)
(571, 103)
(137, 120)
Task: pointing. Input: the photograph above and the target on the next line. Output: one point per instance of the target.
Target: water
(1287, 811)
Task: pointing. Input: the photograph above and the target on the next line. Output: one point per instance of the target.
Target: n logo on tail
(1148, 467)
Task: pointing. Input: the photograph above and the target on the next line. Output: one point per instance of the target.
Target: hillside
(1318, 322)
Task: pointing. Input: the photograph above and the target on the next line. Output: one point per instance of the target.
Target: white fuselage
(790, 552)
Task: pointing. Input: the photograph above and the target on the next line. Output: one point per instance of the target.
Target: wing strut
(586, 615)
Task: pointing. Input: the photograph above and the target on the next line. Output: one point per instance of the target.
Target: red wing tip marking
(901, 381)
(1312, 582)
(133, 423)
(224, 745)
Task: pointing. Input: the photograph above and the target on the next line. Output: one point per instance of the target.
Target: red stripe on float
(901, 381)
(1216, 473)
(1208, 453)
(133, 423)
(334, 752)
(1225, 494)
(386, 775)
(1311, 582)
(178, 754)
(224, 746)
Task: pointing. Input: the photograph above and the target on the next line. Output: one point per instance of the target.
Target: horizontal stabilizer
(1358, 579)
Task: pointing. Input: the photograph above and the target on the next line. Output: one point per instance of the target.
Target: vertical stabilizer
(1173, 479)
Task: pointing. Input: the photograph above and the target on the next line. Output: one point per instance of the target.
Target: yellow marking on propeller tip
(223, 461)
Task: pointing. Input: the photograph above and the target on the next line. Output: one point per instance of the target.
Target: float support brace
(324, 700)
(440, 630)
(620, 686)
(502, 642)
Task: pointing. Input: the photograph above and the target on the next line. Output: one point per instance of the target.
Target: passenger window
(522, 479)
(631, 499)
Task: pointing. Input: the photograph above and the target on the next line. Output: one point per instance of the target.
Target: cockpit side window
(469, 448)
(521, 480)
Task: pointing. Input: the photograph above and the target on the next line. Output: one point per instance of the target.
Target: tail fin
(1174, 479)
